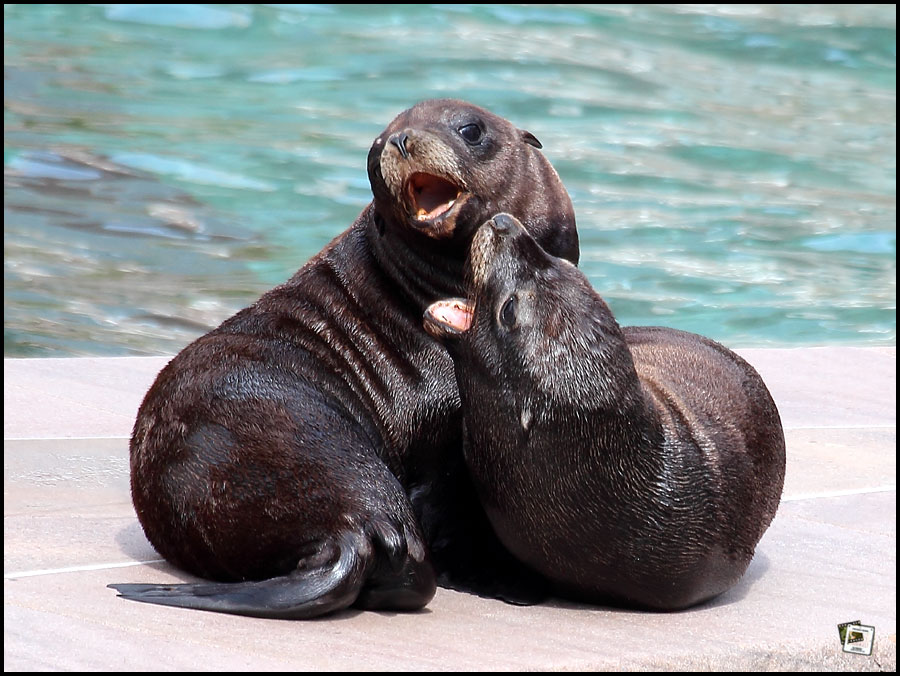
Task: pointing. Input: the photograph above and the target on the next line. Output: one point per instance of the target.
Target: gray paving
(829, 557)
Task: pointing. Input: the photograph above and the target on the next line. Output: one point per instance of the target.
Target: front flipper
(338, 576)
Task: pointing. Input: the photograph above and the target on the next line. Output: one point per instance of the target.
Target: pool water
(732, 167)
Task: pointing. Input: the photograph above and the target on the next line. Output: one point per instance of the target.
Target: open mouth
(451, 316)
(431, 196)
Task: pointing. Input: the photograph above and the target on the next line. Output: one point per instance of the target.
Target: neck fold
(423, 269)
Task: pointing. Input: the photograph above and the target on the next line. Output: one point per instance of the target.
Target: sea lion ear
(530, 139)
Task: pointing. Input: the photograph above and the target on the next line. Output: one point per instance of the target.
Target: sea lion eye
(471, 133)
(508, 312)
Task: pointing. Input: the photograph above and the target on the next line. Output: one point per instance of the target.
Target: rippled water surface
(732, 167)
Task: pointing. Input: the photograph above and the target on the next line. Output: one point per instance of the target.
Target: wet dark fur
(313, 441)
(640, 465)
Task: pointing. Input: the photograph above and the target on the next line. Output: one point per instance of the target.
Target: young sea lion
(640, 464)
(311, 446)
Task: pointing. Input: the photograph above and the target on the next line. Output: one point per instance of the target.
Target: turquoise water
(732, 167)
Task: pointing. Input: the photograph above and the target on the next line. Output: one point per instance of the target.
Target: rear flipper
(381, 571)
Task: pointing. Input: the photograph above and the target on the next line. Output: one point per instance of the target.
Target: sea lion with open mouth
(640, 465)
(307, 454)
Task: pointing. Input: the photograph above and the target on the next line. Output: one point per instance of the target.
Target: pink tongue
(459, 318)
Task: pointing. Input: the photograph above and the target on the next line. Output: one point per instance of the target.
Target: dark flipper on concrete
(350, 571)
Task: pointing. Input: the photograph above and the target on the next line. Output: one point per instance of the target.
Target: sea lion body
(306, 454)
(639, 465)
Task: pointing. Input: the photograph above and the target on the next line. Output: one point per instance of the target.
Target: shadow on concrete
(755, 572)
(133, 543)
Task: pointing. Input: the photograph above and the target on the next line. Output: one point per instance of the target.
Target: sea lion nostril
(503, 223)
(400, 140)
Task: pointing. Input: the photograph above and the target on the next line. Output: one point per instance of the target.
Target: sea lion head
(443, 167)
(531, 323)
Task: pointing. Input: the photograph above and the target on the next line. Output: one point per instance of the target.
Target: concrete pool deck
(69, 530)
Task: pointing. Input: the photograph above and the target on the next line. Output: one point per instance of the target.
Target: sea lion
(640, 465)
(307, 454)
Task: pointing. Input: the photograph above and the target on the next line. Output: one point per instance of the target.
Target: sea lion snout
(503, 242)
(486, 246)
(448, 319)
(427, 182)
